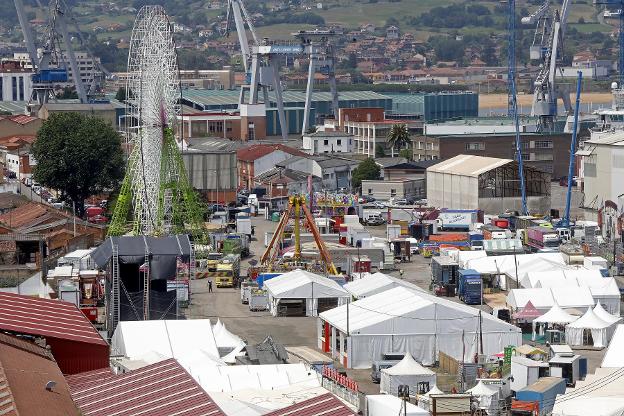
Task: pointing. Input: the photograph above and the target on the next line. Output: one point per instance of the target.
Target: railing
(343, 387)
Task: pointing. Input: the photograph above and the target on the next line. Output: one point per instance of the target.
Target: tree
(121, 94)
(379, 150)
(366, 170)
(398, 136)
(407, 154)
(78, 155)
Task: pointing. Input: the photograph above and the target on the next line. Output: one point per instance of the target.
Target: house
(369, 28)
(335, 171)
(280, 181)
(399, 188)
(406, 170)
(392, 33)
(327, 142)
(259, 158)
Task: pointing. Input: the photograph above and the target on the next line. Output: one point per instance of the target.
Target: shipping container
(449, 237)
(543, 391)
(444, 270)
(459, 219)
(542, 238)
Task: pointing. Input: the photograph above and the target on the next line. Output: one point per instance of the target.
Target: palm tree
(398, 136)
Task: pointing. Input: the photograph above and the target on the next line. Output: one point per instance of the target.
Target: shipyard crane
(511, 52)
(48, 67)
(260, 64)
(620, 4)
(547, 48)
(296, 207)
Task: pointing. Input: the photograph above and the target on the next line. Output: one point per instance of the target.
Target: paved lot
(301, 331)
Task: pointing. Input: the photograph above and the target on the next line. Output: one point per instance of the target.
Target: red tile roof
(22, 119)
(327, 404)
(46, 318)
(160, 389)
(253, 152)
(25, 370)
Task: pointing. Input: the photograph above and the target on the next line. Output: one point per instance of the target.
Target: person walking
(209, 286)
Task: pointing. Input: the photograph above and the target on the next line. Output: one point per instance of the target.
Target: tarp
(301, 284)
(171, 339)
(528, 312)
(375, 283)
(385, 404)
(599, 330)
(405, 372)
(614, 357)
(163, 252)
(406, 320)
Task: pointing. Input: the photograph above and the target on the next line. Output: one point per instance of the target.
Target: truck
(492, 232)
(541, 394)
(459, 219)
(444, 270)
(449, 237)
(372, 217)
(541, 239)
(470, 288)
(246, 287)
(232, 243)
(476, 240)
(228, 271)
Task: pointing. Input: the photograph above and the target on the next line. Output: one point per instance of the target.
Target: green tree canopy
(407, 154)
(398, 137)
(78, 155)
(379, 150)
(367, 169)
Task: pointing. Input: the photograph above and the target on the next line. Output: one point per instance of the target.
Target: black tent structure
(143, 275)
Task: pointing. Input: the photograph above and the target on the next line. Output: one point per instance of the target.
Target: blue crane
(512, 103)
(565, 221)
(620, 4)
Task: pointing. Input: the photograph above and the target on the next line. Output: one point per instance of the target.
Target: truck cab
(564, 234)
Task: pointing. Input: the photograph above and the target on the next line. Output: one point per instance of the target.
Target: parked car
(98, 219)
(365, 199)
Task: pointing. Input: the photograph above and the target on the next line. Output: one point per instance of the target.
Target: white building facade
(323, 142)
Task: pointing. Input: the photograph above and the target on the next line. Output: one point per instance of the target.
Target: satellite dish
(50, 385)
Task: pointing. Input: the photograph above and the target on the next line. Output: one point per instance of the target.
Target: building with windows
(322, 142)
(369, 136)
(15, 81)
(400, 188)
(547, 152)
(88, 66)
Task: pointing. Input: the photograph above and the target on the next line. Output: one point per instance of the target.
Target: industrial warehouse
(340, 208)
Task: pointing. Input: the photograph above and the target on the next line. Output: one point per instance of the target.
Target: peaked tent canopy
(556, 315)
(614, 358)
(528, 312)
(599, 330)
(487, 396)
(408, 372)
(604, 315)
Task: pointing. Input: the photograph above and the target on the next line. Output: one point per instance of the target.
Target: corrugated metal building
(436, 106)
(486, 183)
(161, 389)
(326, 404)
(74, 342)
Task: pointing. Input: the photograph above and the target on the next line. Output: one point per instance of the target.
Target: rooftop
(468, 165)
(46, 318)
(326, 404)
(256, 151)
(160, 389)
(25, 370)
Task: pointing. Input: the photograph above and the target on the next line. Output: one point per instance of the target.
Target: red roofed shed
(160, 389)
(327, 404)
(75, 344)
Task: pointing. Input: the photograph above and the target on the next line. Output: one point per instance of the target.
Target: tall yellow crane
(296, 205)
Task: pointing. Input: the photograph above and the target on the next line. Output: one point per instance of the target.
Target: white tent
(544, 298)
(375, 283)
(407, 371)
(614, 358)
(555, 315)
(385, 404)
(606, 292)
(230, 346)
(487, 397)
(424, 400)
(543, 279)
(306, 286)
(600, 394)
(600, 332)
(404, 320)
(604, 315)
(170, 338)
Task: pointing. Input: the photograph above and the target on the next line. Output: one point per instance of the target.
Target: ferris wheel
(156, 187)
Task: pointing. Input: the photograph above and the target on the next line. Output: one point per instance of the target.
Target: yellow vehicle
(228, 271)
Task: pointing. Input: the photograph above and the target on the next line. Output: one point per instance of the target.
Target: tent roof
(529, 311)
(526, 263)
(566, 297)
(590, 321)
(373, 283)
(556, 315)
(303, 284)
(482, 390)
(407, 366)
(433, 390)
(614, 357)
(540, 298)
(604, 315)
(402, 308)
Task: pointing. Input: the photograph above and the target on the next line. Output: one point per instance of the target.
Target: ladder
(146, 287)
(115, 298)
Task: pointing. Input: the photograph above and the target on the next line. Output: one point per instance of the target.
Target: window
(339, 142)
(326, 142)
(14, 87)
(475, 146)
(392, 192)
(543, 144)
(370, 191)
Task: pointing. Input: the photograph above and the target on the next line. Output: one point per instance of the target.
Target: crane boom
(566, 216)
(62, 24)
(28, 36)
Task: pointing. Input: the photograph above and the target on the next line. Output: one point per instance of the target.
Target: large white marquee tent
(403, 320)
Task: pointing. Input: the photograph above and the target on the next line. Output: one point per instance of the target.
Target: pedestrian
(209, 286)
